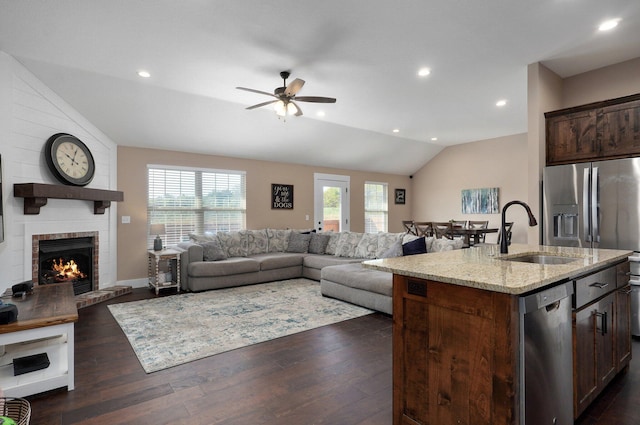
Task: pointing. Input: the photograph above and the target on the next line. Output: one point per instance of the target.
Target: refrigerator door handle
(586, 219)
(595, 203)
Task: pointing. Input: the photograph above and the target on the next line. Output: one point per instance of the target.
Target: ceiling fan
(285, 96)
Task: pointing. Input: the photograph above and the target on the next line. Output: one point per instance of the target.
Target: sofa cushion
(278, 239)
(417, 246)
(319, 261)
(318, 243)
(278, 260)
(230, 266)
(299, 242)
(356, 276)
(213, 251)
(368, 246)
(257, 241)
(234, 243)
(348, 243)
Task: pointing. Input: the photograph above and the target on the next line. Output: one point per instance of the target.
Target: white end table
(155, 258)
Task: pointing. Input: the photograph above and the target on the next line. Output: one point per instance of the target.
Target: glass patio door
(331, 202)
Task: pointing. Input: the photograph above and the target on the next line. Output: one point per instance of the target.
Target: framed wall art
(401, 196)
(281, 196)
(480, 201)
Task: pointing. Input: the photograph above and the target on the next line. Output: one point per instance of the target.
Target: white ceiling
(366, 54)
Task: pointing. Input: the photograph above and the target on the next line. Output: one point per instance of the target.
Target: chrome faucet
(504, 243)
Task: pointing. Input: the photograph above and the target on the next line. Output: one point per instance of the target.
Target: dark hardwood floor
(338, 374)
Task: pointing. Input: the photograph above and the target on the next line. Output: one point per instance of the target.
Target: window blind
(195, 201)
(376, 207)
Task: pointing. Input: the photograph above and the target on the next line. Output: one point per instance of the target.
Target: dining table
(471, 232)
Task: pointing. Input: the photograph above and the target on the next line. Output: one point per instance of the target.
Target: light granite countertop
(484, 267)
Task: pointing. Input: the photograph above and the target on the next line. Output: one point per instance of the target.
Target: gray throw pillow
(212, 251)
(394, 250)
(318, 243)
(298, 242)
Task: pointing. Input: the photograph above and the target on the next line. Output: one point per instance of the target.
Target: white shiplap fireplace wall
(29, 114)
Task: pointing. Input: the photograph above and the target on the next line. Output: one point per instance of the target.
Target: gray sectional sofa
(334, 259)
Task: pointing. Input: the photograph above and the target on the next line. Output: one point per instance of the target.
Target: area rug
(169, 331)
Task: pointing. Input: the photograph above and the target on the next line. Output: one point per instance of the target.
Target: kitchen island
(459, 335)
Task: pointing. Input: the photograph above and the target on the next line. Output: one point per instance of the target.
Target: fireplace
(67, 260)
(66, 257)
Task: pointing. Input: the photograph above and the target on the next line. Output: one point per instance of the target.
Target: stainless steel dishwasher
(547, 355)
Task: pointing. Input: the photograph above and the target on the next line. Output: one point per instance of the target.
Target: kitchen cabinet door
(618, 128)
(594, 359)
(572, 138)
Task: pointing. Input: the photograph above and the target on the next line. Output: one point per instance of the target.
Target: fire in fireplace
(67, 260)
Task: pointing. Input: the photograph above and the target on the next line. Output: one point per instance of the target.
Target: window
(376, 207)
(195, 201)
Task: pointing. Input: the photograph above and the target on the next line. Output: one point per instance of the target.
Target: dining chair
(443, 229)
(409, 227)
(423, 228)
(508, 226)
(479, 224)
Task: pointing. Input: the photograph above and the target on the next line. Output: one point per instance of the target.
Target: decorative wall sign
(281, 196)
(480, 201)
(400, 196)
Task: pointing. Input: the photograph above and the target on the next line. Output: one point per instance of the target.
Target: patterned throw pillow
(318, 243)
(386, 241)
(368, 246)
(299, 242)
(257, 241)
(334, 238)
(393, 251)
(212, 251)
(347, 244)
(278, 239)
(443, 244)
(234, 243)
(200, 239)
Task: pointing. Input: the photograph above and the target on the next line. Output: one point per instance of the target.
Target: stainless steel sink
(542, 259)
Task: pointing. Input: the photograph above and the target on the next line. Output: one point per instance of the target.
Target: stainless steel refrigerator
(596, 205)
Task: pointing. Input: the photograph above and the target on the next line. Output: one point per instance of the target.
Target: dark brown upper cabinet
(601, 130)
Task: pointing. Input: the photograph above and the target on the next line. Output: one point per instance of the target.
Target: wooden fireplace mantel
(36, 195)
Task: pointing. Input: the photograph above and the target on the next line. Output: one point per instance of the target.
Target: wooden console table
(45, 324)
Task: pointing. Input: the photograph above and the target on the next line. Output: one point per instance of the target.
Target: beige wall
(610, 82)
(132, 180)
(500, 162)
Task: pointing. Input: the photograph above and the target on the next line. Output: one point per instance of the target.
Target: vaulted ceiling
(365, 54)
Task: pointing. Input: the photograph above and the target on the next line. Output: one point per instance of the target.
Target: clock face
(69, 159)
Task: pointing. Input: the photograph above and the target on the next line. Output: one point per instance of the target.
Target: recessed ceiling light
(396, 130)
(144, 74)
(320, 113)
(433, 139)
(423, 72)
(609, 25)
(501, 102)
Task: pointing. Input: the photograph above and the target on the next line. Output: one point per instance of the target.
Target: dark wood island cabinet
(458, 332)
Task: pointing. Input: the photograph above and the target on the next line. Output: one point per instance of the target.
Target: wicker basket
(17, 409)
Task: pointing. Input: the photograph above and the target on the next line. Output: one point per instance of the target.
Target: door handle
(603, 322)
(586, 217)
(595, 204)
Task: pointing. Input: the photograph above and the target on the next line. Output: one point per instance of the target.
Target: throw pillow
(234, 243)
(417, 246)
(386, 241)
(443, 244)
(393, 251)
(202, 238)
(212, 251)
(347, 244)
(334, 238)
(257, 241)
(299, 242)
(368, 246)
(278, 239)
(318, 243)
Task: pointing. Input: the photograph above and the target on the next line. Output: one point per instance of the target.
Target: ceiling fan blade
(263, 104)
(256, 91)
(299, 112)
(294, 87)
(316, 99)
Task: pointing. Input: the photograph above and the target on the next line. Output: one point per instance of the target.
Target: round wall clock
(69, 159)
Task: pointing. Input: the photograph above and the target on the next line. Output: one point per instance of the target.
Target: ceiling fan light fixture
(280, 108)
(291, 109)
(609, 25)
